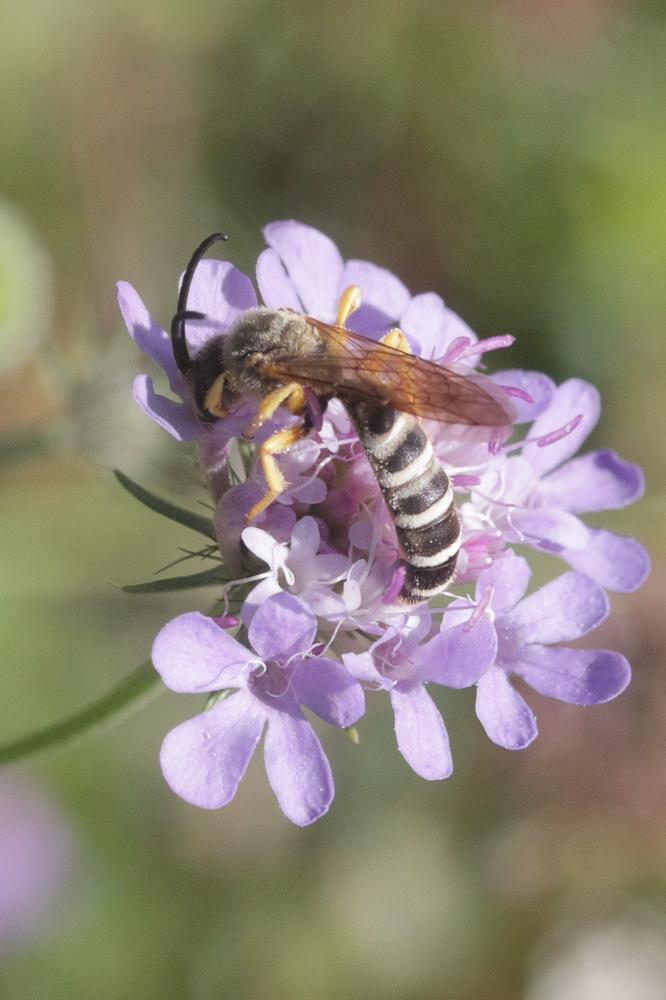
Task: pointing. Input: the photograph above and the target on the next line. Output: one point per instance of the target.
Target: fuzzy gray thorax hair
(259, 336)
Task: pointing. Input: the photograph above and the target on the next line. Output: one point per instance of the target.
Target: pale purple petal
(362, 666)
(432, 327)
(313, 263)
(384, 297)
(204, 759)
(564, 609)
(422, 737)
(326, 688)
(297, 768)
(617, 562)
(538, 386)
(571, 398)
(258, 595)
(600, 480)
(274, 283)
(506, 717)
(550, 526)
(509, 576)
(38, 867)
(221, 293)
(282, 627)
(310, 490)
(305, 540)
(456, 657)
(146, 334)
(580, 676)
(193, 654)
(175, 418)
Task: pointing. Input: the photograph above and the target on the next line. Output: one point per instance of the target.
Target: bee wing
(355, 367)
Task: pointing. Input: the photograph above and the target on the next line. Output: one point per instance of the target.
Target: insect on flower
(285, 358)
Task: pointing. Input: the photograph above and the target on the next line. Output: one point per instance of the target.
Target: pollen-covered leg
(292, 394)
(396, 338)
(213, 400)
(350, 300)
(274, 445)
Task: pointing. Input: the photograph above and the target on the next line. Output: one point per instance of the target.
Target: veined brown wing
(355, 367)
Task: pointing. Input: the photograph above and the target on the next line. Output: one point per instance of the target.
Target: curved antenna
(182, 314)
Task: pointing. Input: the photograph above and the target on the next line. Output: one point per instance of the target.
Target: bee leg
(396, 338)
(274, 445)
(350, 300)
(213, 400)
(292, 394)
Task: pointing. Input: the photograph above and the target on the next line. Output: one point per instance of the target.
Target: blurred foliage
(510, 156)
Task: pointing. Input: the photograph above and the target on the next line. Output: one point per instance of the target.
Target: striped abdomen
(418, 494)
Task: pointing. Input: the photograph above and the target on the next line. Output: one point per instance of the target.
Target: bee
(287, 359)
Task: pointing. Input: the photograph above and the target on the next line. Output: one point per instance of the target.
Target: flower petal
(579, 676)
(204, 759)
(362, 666)
(313, 263)
(282, 627)
(597, 481)
(221, 293)
(564, 609)
(457, 658)
(571, 398)
(326, 688)
(540, 387)
(617, 562)
(506, 717)
(550, 526)
(509, 576)
(175, 418)
(384, 297)
(432, 327)
(297, 768)
(274, 283)
(146, 333)
(422, 737)
(193, 654)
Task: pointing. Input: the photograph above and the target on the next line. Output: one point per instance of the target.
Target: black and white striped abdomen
(418, 494)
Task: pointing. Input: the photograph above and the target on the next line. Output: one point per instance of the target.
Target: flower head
(204, 759)
(320, 569)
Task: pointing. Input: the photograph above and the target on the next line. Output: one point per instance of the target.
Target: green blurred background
(509, 155)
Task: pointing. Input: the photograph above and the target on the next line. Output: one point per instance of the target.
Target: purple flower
(535, 497)
(402, 664)
(323, 559)
(36, 854)
(529, 632)
(204, 759)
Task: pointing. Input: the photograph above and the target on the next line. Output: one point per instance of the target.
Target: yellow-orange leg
(274, 445)
(350, 300)
(213, 400)
(292, 394)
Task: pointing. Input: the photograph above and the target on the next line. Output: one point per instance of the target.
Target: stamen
(546, 439)
(395, 586)
(480, 609)
(513, 390)
(456, 348)
(463, 480)
(226, 621)
(489, 344)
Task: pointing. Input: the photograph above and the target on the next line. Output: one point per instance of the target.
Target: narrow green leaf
(175, 513)
(164, 585)
(131, 692)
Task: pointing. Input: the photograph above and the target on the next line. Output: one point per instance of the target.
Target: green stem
(133, 690)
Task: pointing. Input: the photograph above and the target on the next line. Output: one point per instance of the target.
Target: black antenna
(178, 341)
